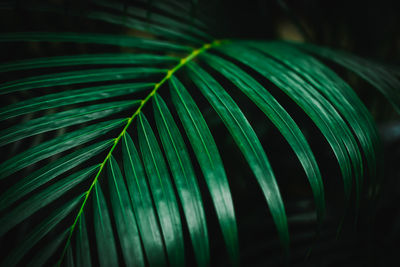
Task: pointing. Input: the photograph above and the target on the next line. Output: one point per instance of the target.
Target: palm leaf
(376, 74)
(281, 119)
(158, 194)
(49, 172)
(91, 38)
(66, 98)
(324, 115)
(40, 231)
(185, 179)
(103, 59)
(73, 77)
(159, 19)
(44, 198)
(106, 247)
(70, 258)
(124, 217)
(61, 120)
(42, 258)
(210, 162)
(55, 146)
(248, 143)
(142, 204)
(162, 191)
(82, 244)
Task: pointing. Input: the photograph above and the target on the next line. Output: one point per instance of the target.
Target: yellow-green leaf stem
(168, 75)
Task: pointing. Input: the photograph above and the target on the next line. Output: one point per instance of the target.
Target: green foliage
(139, 216)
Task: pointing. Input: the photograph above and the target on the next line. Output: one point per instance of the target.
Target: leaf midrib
(169, 74)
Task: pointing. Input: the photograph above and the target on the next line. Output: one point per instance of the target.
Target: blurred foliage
(370, 29)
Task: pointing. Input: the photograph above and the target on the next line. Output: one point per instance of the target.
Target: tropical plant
(118, 146)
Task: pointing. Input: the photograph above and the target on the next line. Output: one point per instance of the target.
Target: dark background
(366, 28)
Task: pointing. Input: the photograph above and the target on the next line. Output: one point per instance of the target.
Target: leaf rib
(169, 74)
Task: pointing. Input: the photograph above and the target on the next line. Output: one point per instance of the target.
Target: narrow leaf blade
(163, 193)
(315, 105)
(248, 143)
(89, 59)
(281, 119)
(62, 119)
(56, 145)
(377, 75)
(74, 77)
(42, 199)
(40, 231)
(142, 204)
(106, 248)
(92, 38)
(210, 162)
(70, 97)
(82, 244)
(49, 172)
(185, 180)
(41, 258)
(124, 217)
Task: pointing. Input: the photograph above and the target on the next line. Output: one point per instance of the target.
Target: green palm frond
(123, 186)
